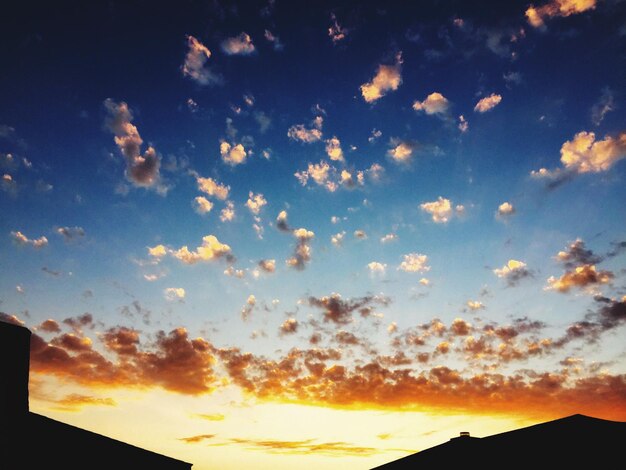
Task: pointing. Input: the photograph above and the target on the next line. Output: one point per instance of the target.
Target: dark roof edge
(101, 436)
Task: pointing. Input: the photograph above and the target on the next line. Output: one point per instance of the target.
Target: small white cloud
(414, 263)
(21, 239)
(401, 151)
(505, 210)
(174, 293)
(377, 268)
(233, 154)
(337, 239)
(390, 237)
(435, 103)
(195, 65)
(227, 214)
(333, 149)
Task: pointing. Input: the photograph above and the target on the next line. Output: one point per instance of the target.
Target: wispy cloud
(195, 65)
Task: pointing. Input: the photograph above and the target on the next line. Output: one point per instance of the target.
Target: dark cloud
(82, 321)
(71, 233)
(339, 311)
(576, 254)
(49, 326)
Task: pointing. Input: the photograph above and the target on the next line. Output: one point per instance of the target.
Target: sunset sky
(267, 234)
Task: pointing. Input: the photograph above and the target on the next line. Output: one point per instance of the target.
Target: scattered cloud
(232, 154)
(435, 103)
(212, 188)
(537, 16)
(505, 210)
(20, 239)
(441, 210)
(281, 222)
(307, 135)
(174, 293)
(360, 234)
(247, 309)
(210, 250)
(71, 233)
(202, 205)
(267, 265)
(289, 327)
(76, 401)
(275, 40)
(339, 311)
(487, 103)
(141, 170)
(255, 202)
(604, 105)
(463, 124)
(333, 149)
(227, 214)
(336, 32)
(475, 305)
(49, 326)
(238, 45)
(198, 438)
(377, 268)
(401, 151)
(387, 78)
(513, 272)
(576, 254)
(374, 136)
(581, 276)
(195, 65)
(414, 263)
(337, 239)
(390, 237)
(302, 252)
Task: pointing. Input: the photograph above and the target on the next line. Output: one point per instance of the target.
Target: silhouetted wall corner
(14, 365)
(50, 441)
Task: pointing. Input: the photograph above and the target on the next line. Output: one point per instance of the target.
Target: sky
(265, 234)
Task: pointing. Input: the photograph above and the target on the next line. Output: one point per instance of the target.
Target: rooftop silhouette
(575, 441)
(51, 443)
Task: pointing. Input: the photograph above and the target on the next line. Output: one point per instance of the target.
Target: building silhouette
(32, 441)
(573, 442)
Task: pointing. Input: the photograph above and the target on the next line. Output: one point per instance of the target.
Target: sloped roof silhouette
(575, 441)
(32, 441)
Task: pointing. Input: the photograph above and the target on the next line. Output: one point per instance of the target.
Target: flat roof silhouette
(32, 441)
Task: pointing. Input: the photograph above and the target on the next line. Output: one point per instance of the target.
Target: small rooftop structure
(32, 441)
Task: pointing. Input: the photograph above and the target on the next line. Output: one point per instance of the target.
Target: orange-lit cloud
(581, 277)
(198, 438)
(289, 326)
(336, 32)
(538, 15)
(21, 239)
(49, 326)
(141, 170)
(75, 402)
(305, 447)
(267, 265)
(585, 154)
(333, 149)
(387, 78)
(195, 65)
(212, 417)
(488, 103)
(401, 151)
(211, 249)
(238, 45)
